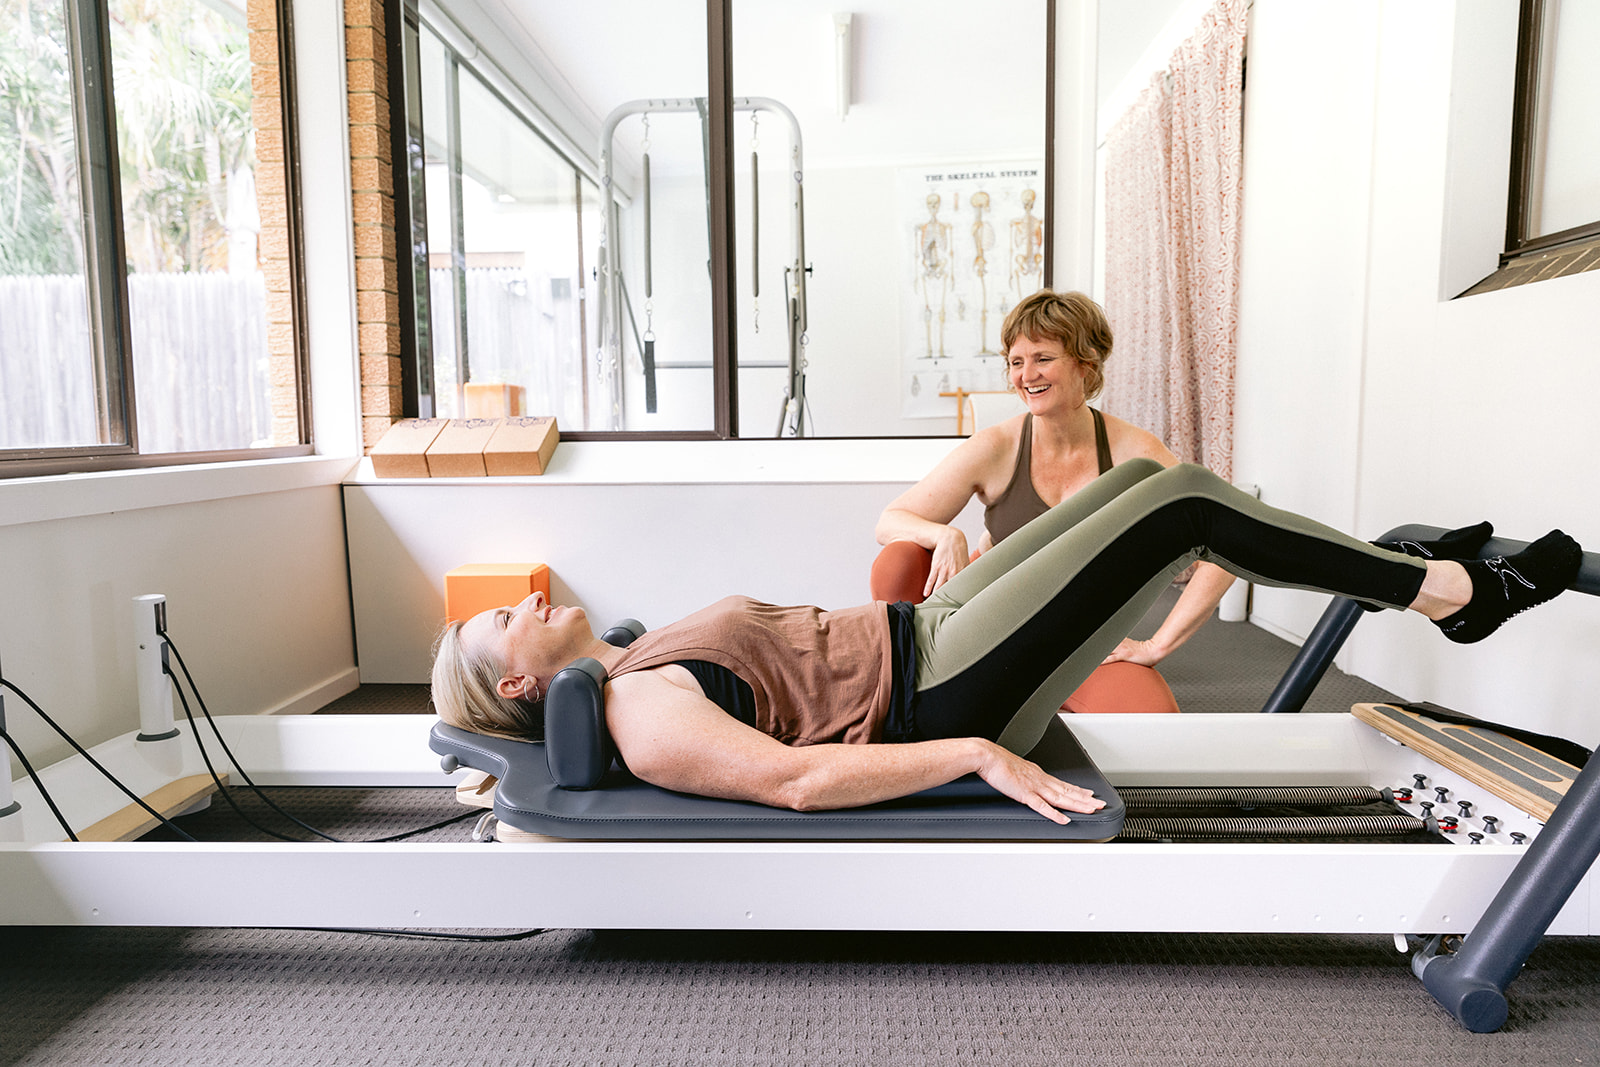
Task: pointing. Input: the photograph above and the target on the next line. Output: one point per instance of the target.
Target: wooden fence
(199, 355)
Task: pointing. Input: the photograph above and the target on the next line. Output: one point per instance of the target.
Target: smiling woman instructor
(1056, 346)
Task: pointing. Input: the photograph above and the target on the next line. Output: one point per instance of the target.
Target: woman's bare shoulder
(1131, 442)
(999, 440)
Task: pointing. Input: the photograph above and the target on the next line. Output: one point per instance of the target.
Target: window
(147, 304)
(509, 223)
(1555, 171)
(706, 217)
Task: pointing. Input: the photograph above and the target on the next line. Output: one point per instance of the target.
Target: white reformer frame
(1312, 888)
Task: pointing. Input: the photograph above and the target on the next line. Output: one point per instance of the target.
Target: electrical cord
(39, 785)
(170, 645)
(96, 764)
(28, 769)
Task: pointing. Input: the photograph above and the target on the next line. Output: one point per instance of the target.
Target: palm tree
(39, 199)
(182, 87)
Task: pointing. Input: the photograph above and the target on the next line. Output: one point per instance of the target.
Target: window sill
(1542, 266)
(753, 462)
(70, 496)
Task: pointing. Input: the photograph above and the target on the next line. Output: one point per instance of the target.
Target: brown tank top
(818, 676)
(1020, 503)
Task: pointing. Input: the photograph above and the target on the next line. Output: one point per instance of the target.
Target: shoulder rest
(577, 746)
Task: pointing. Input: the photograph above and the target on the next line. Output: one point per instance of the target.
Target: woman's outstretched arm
(673, 737)
(1195, 605)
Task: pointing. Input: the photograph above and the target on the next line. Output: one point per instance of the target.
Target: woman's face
(1044, 375)
(530, 640)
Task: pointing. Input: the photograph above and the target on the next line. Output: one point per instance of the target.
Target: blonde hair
(466, 693)
(1071, 319)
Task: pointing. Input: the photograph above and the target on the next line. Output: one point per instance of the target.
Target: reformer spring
(1144, 798)
(1203, 829)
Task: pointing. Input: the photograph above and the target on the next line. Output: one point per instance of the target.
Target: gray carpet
(574, 997)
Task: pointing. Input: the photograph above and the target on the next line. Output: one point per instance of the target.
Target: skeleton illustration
(935, 273)
(982, 240)
(1027, 246)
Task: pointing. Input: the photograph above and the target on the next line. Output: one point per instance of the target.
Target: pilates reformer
(614, 300)
(1503, 891)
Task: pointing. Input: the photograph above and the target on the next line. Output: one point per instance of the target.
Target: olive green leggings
(1003, 643)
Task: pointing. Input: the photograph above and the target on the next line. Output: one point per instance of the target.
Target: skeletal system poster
(974, 245)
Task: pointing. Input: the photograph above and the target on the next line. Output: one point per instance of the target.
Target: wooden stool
(477, 587)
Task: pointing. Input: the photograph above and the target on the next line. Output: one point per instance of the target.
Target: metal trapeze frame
(1507, 895)
(615, 302)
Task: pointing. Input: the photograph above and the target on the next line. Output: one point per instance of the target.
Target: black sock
(1462, 544)
(1504, 586)
(1455, 544)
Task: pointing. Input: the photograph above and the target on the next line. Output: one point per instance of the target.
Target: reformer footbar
(1469, 976)
(571, 785)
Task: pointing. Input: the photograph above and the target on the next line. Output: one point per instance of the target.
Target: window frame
(1524, 143)
(105, 266)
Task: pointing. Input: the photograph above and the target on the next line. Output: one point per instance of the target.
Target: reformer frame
(1505, 897)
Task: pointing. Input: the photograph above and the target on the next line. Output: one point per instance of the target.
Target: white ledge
(834, 461)
(68, 496)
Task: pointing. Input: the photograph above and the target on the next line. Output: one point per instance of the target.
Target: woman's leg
(1024, 543)
(999, 652)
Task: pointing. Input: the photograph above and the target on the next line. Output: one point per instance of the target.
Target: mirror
(889, 209)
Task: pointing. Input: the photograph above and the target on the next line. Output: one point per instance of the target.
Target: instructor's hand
(949, 557)
(1144, 653)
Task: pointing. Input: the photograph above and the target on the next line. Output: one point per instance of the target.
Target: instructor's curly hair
(1071, 319)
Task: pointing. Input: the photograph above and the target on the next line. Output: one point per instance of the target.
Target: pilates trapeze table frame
(613, 300)
(1506, 895)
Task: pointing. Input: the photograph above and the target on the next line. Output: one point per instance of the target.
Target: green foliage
(182, 78)
(181, 84)
(39, 207)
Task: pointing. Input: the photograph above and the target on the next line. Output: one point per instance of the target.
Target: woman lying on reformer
(809, 709)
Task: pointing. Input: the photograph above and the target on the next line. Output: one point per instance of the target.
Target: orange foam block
(476, 587)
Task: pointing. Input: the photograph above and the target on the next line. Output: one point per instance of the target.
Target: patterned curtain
(1172, 245)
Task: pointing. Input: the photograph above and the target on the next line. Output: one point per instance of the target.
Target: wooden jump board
(1517, 773)
(132, 822)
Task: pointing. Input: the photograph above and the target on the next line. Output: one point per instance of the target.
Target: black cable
(96, 764)
(222, 787)
(438, 935)
(205, 711)
(39, 785)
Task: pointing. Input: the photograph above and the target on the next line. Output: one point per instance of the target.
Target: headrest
(577, 746)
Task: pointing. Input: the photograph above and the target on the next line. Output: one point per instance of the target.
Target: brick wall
(372, 189)
(266, 111)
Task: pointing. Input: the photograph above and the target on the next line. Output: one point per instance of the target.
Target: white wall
(250, 557)
(647, 530)
(1367, 400)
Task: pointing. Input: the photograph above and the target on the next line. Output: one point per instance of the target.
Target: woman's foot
(1462, 544)
(1503, 586)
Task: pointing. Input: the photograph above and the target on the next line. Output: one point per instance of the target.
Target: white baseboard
(1277, 631)
(319, 696)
